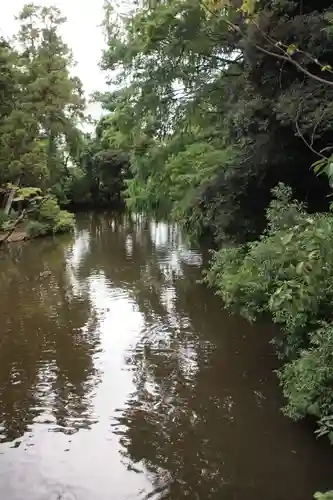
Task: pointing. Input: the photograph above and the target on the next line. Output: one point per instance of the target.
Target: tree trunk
(9, 201)
(11, 195)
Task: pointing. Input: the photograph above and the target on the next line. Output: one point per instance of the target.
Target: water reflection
(120, 377)
(45, 372)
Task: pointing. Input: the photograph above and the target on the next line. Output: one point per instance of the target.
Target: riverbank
(45, 220)
(15, 237)
(287, 275)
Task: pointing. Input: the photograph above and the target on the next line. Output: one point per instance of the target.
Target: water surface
(121, 378)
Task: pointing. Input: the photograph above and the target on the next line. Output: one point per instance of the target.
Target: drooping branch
(301, 135)
(284, 56)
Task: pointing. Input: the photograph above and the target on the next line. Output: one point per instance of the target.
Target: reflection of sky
(129, 246)
(80, 248)
(54, 462)
(168, 237)
(75, 255)
(121, 324)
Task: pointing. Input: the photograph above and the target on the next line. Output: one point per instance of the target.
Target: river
(121, 378)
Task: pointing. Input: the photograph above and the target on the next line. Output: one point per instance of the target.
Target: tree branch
(10, 232)
(17, 221)
(300, 134)
(283, 57)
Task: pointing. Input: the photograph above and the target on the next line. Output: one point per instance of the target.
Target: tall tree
(41, 105)
(197, 72)
(55, 97)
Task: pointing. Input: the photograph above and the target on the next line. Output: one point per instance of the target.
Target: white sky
(81, 33)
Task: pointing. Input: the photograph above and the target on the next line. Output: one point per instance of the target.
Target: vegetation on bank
(221, 120)
(288, 275)
(218, 102)
(46, 160)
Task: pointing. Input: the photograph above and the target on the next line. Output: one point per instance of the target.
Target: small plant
(307, 381)
(7, 221)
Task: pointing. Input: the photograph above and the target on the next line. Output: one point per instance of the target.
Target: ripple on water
(120, 377)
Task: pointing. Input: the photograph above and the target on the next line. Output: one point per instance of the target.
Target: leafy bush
(35, 228)
(307, 381)
(49, 209)
(48, 218)
(64, 222)
(288, 275)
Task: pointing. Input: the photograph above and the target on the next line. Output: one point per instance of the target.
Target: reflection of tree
(163, 421)
(141, 270)
(46, 366)
(204, 419)
(173, 442)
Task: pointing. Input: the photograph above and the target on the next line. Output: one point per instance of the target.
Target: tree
(56, 98)
(41, 106)
(196, 72)
(103, 172)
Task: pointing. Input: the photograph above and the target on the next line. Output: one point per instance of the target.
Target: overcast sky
(81, 32)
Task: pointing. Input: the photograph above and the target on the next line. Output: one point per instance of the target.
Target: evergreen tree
(54, 97)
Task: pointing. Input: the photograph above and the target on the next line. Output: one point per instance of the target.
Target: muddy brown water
(121, 378)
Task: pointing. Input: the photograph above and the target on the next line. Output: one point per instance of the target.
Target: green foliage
(52, 217)
(328, 495)
(41, 111)
(41, 103)
(100, 179)
(34, 228)
(307, 381)
(42, 149)
(64, 222)
(48, 210)
(288, 275)
(48, 218)
(7, 221)
(210, 122)
(27, 193)
(189, 170)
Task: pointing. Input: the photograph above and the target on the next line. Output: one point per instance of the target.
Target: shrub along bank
(288, 275)
(49, 219)
(37, 216)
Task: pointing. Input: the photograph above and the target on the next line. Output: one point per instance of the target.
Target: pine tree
(55, 97)
(41, 104)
